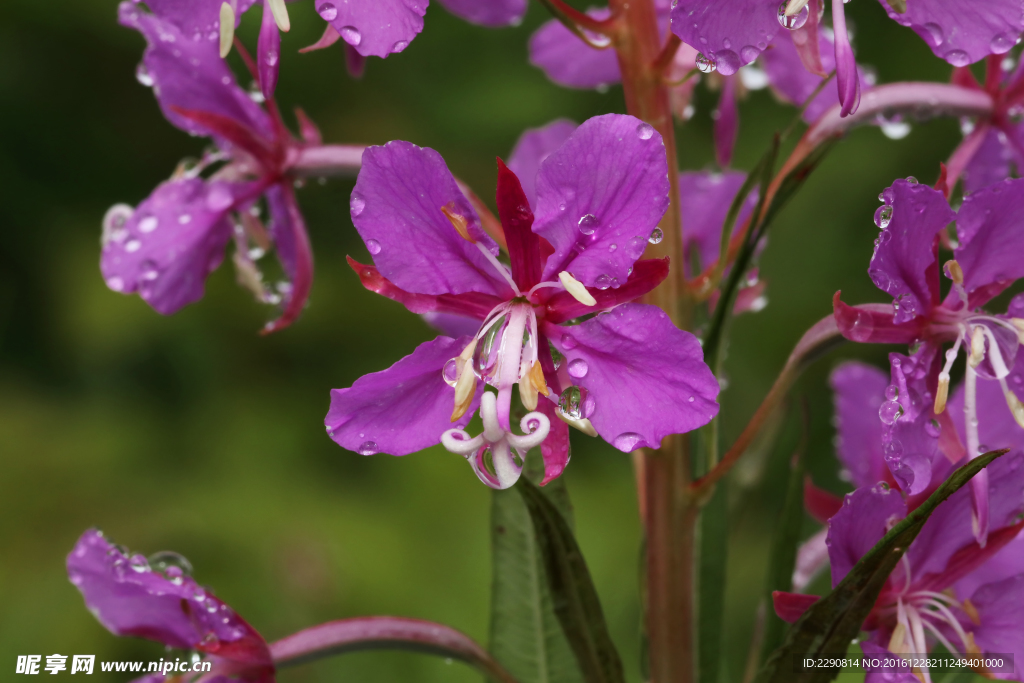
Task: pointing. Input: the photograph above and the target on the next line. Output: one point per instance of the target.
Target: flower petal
(451, 324)
(647, 378)
(396, 208)
(532, 148)
(859, 525)
(190, 74)
(730, 32)
(1000, 608)
(872, 323)
(904, 263)
(859, 391)
(292, 243)
(963, 31)
(1005, 564)
(705, 199)
(488, 12)
(400, 410)
(173, 240)
(990, 228)
(268, 52)
(199, 20)
(375, 29)
(568, 61)
(910, 442)
(726, 118)
(130, 599)
(989, 164)
(599, 197)
(647, 274)
(555, 448)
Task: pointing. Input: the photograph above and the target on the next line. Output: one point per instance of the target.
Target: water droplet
(890, 411)
(957, 58)
(895, 130)
(795, 21)
(912, 180)
(727, 62)
(933, 428)
(935, 34)
(138, 563)
(132, 246)
(603, 282)
(749, 53)
(400, 45)
(883, 215)
(704, 64)
(1002, 43)
(148, 224)
(576, 403)
(149, 270)
(588, 223)
(656, 236)
(142, 75)
(171, 563)
(892, 392)
(356, 204)
(328, 11)
(627, 442)
(184, 219)
(893, 449)
(645, 131)
(115, 283)
(351, 35)
(368, 448)
(569, 343)
(450, 372)
(691, 399)
(578, 368)
(982, 448)
(373, 246)
(219, 198)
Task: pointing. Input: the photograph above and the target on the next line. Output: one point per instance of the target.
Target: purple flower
(626, 373)
(165, 248)
(157, 599)
(905, 265)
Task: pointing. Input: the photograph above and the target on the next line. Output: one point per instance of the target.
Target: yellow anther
(227, 28)
(537, 379)
(576, 288)
(280, 14)
(954, 271)
(531, 384)
(972, 612)
(942, 393)
(972, 647)
(459, 222)
(1016, 407)
(465, 387)
(977, 347)
(897, 644)
(795, 6)
(1019, 324)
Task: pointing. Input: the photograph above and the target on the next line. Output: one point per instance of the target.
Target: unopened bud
(576, 288)
(227, 28)
(458, 221)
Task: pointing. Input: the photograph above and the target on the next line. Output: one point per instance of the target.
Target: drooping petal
(847, 76)
(990, 228)
(532, 148)
(704, 200)
(396, 207)
(173, 240)
(989, 164)
(190, 74)
(400, 410)
(904, 263)
(732, 33)
(599, 197)
(292, 243)
(811, 559)
(963, 31)
(859, 391)
(375, 29)
(487, 12)
(726, 123)
(268, 52)
(570, 62)
(130, 599)
(647, 378)
(872, 323)
(860, 524)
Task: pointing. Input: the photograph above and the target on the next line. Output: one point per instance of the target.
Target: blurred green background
(193, 433)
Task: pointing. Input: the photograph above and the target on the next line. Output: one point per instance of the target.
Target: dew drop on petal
(171, 563)
(219, 198)
(933, 428)
(628, 441)
(892, 392)
(450, 372)
(883, 215)
(704, 64)
(578, 368)
(142, 75)
(795, 21)
(138, 563)
(368, 448)
(400, 45)
(115, 283)
(351, 35)
(132, 246)
(184, 219)
(328, 11)
(148, 224)
(893, 449)
(1002, 43)
(889, 412)
(656, 236)
(373, 246)
(895, 130)
(645, 131)
(588, 223)
(957, 58)
(603, 282)
(356, 204)
(569, 342)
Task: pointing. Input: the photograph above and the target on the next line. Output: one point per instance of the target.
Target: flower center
(922, 613)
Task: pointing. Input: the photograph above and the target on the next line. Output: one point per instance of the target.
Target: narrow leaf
(526, 636)
(711, 596)
(573, 594)
(833, 622)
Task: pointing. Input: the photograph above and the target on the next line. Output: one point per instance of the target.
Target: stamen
(1018, 324)
(977, 350)
(576, 288)
(955, 273)
(531, 384)
(280, 14)
(972, 612)
(227, 28)
(995, 354)
(465, 387)
(1014, 403)
(943, 391)
(458, 221)
(899, 635)
(500, 267)
(795, 6)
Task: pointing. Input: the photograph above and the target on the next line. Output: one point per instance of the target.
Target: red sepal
(820, 504)
(517, 224)
(872, 323)
(791, 606)
(235, 133)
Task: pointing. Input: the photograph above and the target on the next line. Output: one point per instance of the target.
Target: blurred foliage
(193, 433)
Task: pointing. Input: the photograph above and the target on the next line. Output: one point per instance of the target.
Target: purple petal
(487, 12)
(905, 250)
(726, 123)
(864, 518)
(173, 240)
(452, 325)
(599, 197)
(963, 31)
(190, 74)
(377, 28)
(705, 199)
(859, 391)
(268, 52)
(400, 410)
(989, 164)
(1005, 564)
(568, 61)
(396, 208)
(199, 20)
(555, 448)
(847, 76)
(129, 599)
(532, 148)
(888, 674)
(731, 32)
(996, 426)
(647, 378)
(293, 250)
(990, 228)
(1000, 609)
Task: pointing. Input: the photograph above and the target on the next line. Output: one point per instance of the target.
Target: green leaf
(526, 636)
(711, 584)
(573, 594)
(834, 621)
